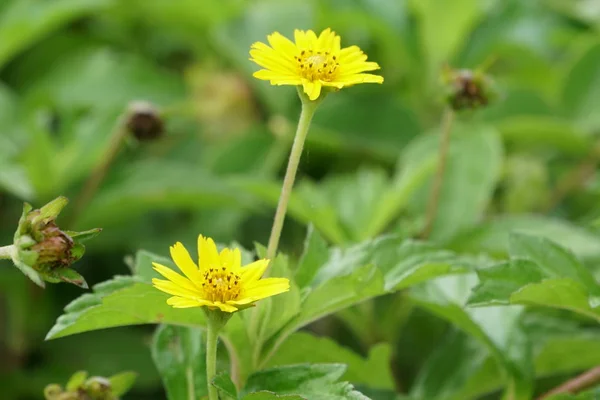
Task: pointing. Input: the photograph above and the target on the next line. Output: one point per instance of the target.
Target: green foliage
(501, 301)
(179, 354)
(539, 273)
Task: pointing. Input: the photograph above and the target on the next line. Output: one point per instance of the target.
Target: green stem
(215, 321)
(436, 187)
(212, 335)
(6, 252)
(308, 111)
(118, 136)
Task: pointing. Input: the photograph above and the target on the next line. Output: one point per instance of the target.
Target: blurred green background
(69, 68)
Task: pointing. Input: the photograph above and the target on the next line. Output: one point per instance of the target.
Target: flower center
(221, 285)
(320, 65)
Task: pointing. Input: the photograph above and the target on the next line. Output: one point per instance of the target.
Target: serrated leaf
(120, 302)
(121, 383)
(499, 329)
(315, 382)
(373, 371)
(542, 274)
(179, 354)
(225, 386)
(493, 236)
(263, 395)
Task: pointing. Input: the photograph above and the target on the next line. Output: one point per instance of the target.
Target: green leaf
(469, 182)
(450, 367)
(179, 354)
(119, 302)
(121, 383)
(541, 274)
(553, 260)
(271, 396)
(588, 395)
(226, 387)
(315, 254)
(24, 22)
(493, 236)
(366, 121)
(144, 186)
(315, 382)
(546, 132)
(441, 36)
(373, 371)
(582, 88)
(499, 329)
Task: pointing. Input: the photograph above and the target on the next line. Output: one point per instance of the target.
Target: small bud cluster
(43, 251)
(80, 387)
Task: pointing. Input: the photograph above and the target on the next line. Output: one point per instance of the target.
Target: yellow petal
(278, 78)
(356, 68)
(300, 39)
(253, 271)
(237, 258)
(311, 39)
(171, 288)
(224, 307)
(181, 302)
(226, 258)
(282, 45)
(174, 277)
(182, 259)
(265, 54)
(351, 54)
(324, 41)
(359, 78)
(207, 253)
(266, 288)
(312, 89)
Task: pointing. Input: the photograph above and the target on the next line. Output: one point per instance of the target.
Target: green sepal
(81, 237)
(121, 383)
(76, 380)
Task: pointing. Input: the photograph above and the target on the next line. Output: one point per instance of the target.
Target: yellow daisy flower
(313, 62)
(218, 281)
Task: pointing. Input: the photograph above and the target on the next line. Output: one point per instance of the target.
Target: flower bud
(80, 387)
(144, 121)
(468, 89)
(43, 251)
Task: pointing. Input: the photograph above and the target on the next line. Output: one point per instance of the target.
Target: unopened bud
(52, 391)
(467, 89)
(43, 251)
(144, 121)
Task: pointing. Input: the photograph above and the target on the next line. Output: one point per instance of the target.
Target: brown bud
(144, 121)
(468, 89)
(53, 248)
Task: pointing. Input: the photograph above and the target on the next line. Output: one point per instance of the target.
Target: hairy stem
(212, 336)
(97, 176)
(6, 252)
(578, 384)
(436, 187)
(308, 110)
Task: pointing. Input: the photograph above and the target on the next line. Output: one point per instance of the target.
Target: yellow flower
(312, 62)
(219, 280)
